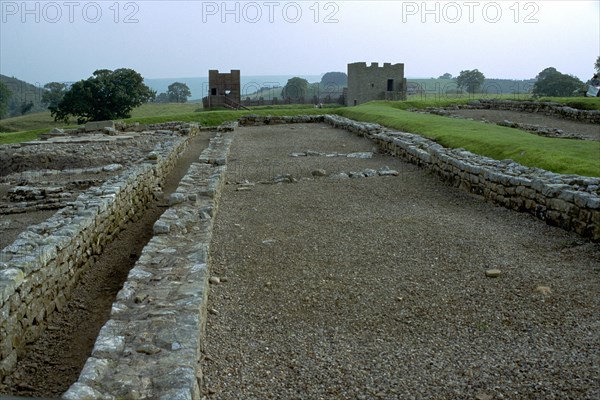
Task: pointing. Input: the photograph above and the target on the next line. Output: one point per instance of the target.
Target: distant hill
(23, 92)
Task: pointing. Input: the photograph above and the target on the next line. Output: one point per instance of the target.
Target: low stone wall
(151, 346)
(254, 120)
(571, 202)
(545, 107)
(40, 269)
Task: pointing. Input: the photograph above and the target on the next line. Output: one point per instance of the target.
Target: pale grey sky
(66, 40)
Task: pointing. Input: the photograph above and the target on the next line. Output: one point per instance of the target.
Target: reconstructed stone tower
(375, 82)
(223, 89)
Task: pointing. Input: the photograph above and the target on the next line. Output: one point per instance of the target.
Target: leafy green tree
(335, 78)
(597, 65)
(178, 92)
(53, 94)
(551, 82)
(295, 88)
(5, 94)
(447, 75)
(106, 95)
(470, 80)
(546, 74)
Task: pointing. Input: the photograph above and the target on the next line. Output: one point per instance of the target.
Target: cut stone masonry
(151, 346)
(39, 270)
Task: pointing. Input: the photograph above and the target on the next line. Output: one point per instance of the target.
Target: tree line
(113, 94)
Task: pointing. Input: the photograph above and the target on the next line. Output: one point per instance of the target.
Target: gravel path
(376, 287)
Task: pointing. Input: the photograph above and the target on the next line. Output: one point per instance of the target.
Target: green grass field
(558, 155)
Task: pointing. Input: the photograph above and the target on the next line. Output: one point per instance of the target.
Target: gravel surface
(376, 287)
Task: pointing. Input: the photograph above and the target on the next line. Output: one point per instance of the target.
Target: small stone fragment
(319, 172)
(340, 176)
(213, 311)
(148, 349)
(176, 346)
(492, 273)
(386, 171)
(214, 280)
(285, 178)
(545, 290)
(161, 227)
(361, 154)
(176, 198)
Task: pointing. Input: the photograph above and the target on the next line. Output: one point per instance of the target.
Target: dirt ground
(55, 360)
(588, 131)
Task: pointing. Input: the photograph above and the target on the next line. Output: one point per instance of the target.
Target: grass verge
(18, 137)
(563, 156)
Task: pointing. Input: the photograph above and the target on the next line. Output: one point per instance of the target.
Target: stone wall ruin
(39, 270)
(151, 345)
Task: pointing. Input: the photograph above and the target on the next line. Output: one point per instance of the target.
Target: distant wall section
(223, 89)
(367, 83)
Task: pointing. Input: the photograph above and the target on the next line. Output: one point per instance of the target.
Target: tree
(162, 98)
(551, 82)
(5, 94)
(106, 95)
(447, 75)
(334, 78)
(178, 92)
(25, 107)
(470, 80)
(295, 88)
(597, 65)
(546, 73)
(53, 94)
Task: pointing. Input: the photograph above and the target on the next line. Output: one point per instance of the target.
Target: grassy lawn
(153, 109)
(29, 122)
(558, 155)
(18, 137)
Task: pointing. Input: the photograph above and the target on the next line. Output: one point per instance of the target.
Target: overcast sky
(67, 40)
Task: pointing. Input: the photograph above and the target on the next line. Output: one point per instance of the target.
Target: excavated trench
(54, 361)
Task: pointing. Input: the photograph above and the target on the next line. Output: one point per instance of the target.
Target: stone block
(99, 125)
